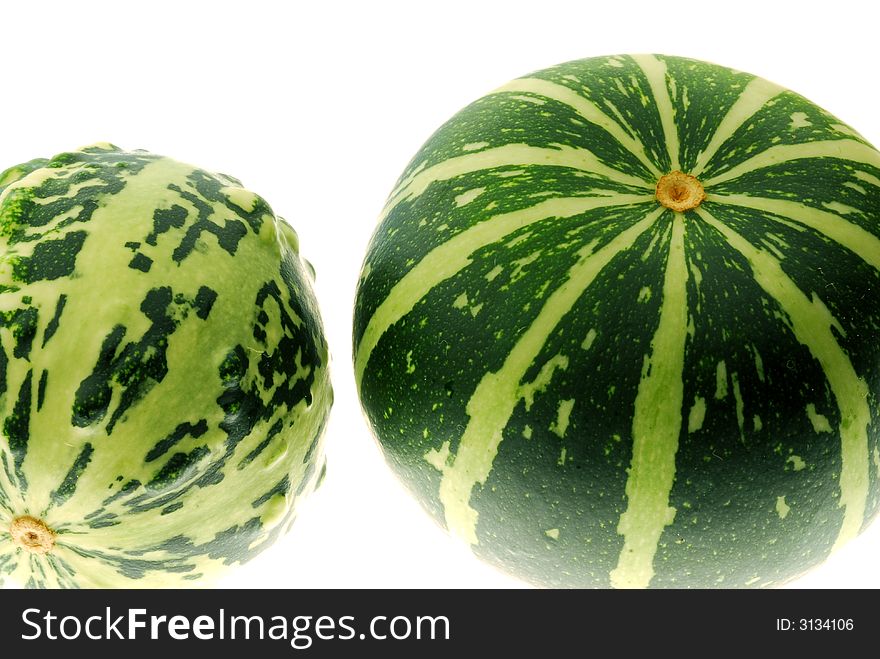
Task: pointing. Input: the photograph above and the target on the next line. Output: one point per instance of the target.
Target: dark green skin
(727, 530)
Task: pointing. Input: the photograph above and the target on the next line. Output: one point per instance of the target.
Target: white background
(318, 107)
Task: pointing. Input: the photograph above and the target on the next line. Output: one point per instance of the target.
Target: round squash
(618, 327)
(163, 372)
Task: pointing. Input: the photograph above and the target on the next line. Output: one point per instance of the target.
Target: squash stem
(32, 534)
(679, 191)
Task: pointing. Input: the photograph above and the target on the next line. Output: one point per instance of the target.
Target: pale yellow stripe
(752, 98)
(656, 426)
(492, 403)
(860, 242)
(447, 259)
(655, 71)
(811, 323)
(503, 156)
(843, 149)
(85, 321)
(586, 109)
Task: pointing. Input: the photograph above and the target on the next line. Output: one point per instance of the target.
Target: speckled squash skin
(163, 372)
(595, 385)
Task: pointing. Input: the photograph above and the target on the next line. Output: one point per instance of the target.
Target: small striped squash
(619, 326)
(163, 372)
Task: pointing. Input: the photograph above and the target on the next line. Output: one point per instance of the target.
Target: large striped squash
(619, 325)
(163, 372)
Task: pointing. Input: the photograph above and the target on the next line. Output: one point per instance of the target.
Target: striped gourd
(163, 372)
(618, 327)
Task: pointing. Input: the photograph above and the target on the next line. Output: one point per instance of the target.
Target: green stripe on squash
(615, 311)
